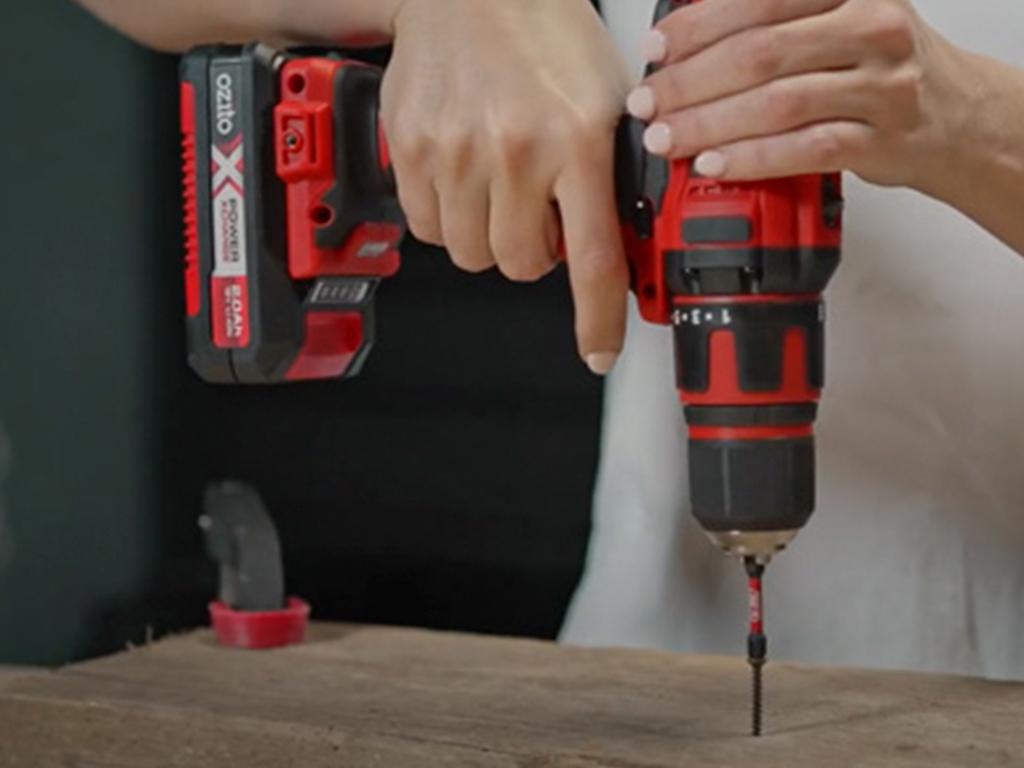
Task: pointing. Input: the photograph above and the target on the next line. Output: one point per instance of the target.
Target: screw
(757, 699)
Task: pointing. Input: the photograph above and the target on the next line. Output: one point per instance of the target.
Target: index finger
(699, 25)
(595, 256)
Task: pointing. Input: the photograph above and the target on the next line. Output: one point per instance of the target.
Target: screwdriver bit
(757, 642)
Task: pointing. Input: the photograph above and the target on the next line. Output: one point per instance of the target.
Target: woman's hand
(771, 88)
(501, 119)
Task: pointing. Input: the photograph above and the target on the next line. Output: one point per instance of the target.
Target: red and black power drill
(292, 221)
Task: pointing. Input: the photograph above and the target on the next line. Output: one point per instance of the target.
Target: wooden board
(9, 674)
(390, 698)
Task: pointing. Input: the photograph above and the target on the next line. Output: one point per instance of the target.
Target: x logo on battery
(227, 169)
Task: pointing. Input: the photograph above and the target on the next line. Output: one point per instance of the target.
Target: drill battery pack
(291, 219)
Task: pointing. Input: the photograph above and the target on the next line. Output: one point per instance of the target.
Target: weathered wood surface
(9, 674)
(390, 698)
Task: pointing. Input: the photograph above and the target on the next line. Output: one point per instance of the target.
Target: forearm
(175, 25)
(981, 170)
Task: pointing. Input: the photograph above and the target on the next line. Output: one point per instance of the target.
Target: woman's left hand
(771, 88)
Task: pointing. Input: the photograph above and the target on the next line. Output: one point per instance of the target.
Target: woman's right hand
(501, 120)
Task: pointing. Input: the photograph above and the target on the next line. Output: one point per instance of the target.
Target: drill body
(292, 221)
(738, 271)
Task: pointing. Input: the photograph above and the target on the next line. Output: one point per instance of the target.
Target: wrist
(336, 22)
(948, 97)
(969, 141)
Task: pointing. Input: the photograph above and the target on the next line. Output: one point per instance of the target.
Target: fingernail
(641, 103)
(658, 139)
(711, 164)
(654, 46)
(601, 363)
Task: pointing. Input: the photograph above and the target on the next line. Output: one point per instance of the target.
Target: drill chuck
(750, 369)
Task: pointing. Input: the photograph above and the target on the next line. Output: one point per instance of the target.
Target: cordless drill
(292, 222)
(739, 271)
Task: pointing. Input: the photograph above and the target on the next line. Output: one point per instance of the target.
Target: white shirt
(914, 558)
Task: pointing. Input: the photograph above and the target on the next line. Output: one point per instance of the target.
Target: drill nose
(761, 546)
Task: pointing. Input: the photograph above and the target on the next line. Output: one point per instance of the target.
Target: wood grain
(392, 698)
(9, 674)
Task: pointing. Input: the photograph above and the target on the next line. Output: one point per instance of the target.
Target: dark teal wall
(78, 226)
